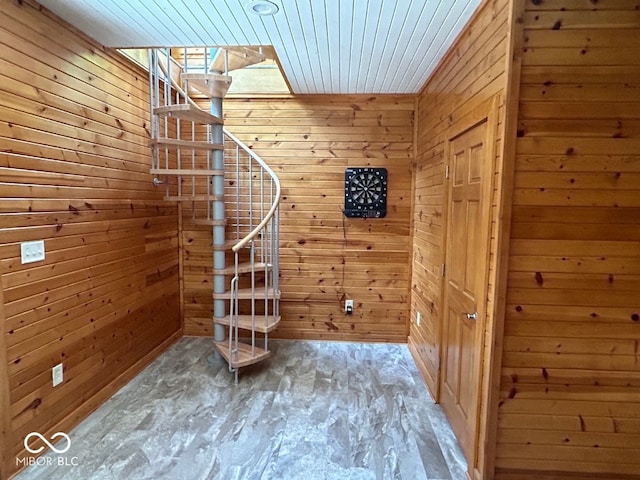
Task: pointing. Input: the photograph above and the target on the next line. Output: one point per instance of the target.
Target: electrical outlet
(57, 374)
(32, 251)
(418, 318)
(348, 307)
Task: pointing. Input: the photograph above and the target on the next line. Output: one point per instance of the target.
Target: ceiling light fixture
(262, 7)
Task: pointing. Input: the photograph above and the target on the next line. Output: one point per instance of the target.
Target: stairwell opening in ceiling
(255, 70)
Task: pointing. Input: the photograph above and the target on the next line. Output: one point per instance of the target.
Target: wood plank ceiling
(324, 46)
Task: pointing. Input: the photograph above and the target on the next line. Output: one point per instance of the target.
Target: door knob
(472, 316)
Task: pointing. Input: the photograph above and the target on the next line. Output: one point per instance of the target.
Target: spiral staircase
(221, 183)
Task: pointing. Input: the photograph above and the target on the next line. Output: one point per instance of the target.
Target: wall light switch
(32, 251)
(418, 318)
(57, 374)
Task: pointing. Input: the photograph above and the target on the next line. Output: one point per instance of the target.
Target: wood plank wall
(325, 257)
(570, 394)
(74, 163)
(472, 72)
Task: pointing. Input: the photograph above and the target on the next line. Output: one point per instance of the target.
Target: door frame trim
(487, 112)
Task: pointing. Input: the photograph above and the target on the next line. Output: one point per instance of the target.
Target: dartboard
(365, 192)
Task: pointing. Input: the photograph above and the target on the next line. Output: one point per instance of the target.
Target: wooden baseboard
(422, 368)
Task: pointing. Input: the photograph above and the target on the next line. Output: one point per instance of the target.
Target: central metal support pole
(219, 305)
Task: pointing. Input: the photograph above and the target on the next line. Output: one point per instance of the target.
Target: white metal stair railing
(254, 306)
(195, 160)
(182, 139)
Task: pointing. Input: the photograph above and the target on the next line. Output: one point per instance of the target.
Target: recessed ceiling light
(262, 7)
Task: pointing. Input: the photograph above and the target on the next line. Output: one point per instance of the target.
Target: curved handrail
(274, 206)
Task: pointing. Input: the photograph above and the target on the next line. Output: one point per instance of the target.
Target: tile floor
(314, 410)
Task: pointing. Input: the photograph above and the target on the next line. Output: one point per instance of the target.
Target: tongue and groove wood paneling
(472, 73)
(325, 258)
(74, 172)
(570, 390)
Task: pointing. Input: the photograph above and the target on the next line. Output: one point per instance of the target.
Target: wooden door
(465, 282)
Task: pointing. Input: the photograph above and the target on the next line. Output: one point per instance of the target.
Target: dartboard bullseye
(365, 192)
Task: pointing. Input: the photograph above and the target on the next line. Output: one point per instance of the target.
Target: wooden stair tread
(228, 245)
(245, 294)
(210, 84)
(245, 322)
(244, 267)
(187, 172)
(188, 144)
(239, 57)
(195, 198)
(188, 112)
(244, 356)
(209, 222)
